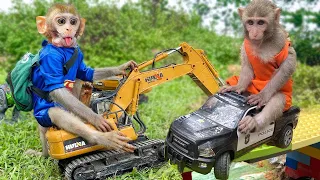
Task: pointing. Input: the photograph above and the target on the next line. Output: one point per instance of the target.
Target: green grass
(15, 140)
(166, 102)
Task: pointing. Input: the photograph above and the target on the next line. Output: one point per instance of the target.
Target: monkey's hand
(238, 89)
(122, 68)
(259, 99)
(102, 73)
(114, 140)
(101, 124)
(248, 124)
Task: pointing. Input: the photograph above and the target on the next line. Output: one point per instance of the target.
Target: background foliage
(300, 17)
(137, 30)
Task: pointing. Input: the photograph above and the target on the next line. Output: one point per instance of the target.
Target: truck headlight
(205, 150)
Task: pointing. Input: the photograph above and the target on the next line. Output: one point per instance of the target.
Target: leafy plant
(306, 89)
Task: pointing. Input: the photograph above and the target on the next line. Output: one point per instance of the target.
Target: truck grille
(180, 143)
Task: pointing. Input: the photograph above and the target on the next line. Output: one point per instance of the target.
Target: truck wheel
(285, 137)
(221, 166)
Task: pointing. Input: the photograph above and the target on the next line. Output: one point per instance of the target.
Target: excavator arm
(195, 64)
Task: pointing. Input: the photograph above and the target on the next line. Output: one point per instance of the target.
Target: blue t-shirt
(49, 75)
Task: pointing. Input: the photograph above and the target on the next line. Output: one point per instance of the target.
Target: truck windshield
(222, 113)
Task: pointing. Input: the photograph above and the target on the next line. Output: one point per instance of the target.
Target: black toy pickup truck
(209, 137)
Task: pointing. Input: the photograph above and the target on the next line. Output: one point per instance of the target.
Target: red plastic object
(292, 173)
(304, 169)
(315, 167)
(186, 176)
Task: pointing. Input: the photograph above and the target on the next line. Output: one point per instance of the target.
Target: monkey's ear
(82, 26)
(41, 24)
(277, 15)
(240, 11)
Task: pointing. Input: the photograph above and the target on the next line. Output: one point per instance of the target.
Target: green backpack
(19, 80)
(20, 83)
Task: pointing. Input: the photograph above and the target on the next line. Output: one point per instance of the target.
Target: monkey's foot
(248, 124)
(87, 84)
(33, 152)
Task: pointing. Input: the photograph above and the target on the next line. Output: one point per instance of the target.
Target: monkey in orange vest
(267, 63)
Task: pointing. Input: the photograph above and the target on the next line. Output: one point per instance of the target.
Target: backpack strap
(40, 93)
(71, 61)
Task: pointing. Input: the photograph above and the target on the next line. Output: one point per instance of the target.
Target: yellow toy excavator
(117, 101)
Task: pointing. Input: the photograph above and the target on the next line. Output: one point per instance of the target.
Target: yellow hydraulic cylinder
(135, 97)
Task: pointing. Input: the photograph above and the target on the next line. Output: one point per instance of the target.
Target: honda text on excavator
(117, 101)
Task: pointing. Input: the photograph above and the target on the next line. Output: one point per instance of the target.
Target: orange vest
(263, 72)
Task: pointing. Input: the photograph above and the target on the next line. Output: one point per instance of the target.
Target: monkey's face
(256, 27)
(65, 27)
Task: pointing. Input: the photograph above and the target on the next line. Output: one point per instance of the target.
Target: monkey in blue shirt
(49, 76)
(62, 25)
